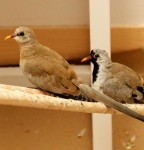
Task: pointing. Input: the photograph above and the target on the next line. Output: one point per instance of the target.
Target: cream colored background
(66, 12)
(24, 128)
(44, 12)
(127, 12)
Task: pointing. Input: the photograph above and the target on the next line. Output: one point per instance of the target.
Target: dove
(114, 79)
(49, 71)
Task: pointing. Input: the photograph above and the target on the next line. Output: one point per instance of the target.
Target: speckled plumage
(118, 81)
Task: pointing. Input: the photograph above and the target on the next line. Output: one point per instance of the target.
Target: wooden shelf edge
(27, 97)
(72, 42)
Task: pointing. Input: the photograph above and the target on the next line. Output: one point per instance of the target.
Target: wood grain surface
(73, 42)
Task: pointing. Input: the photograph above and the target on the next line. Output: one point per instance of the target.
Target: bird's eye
(20, 34)
(96, 55)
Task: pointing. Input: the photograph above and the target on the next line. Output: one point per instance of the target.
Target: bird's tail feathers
(97, 96)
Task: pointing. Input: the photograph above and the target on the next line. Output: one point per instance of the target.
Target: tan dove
(49, 71)
(115, 80)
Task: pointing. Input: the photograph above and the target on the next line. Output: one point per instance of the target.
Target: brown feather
(49, 66)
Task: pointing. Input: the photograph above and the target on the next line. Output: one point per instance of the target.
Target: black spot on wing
(140, 89)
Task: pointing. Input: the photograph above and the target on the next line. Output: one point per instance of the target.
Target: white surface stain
(81, 133)
(130, 143)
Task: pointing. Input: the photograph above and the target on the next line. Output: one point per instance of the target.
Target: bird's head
(23, 35)
(96, 55)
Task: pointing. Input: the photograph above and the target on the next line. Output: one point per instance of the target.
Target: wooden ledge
(72, 42)
(27, 97)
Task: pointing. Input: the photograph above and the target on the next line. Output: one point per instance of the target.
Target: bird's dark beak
(86, 59)
(10, 36)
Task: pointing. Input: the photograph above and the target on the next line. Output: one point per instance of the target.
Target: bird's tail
(97, 96)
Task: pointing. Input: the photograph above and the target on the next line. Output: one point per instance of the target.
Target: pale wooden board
(73, 42)
(127, 38)
(133, 59)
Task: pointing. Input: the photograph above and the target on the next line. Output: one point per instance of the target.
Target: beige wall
(44, 12)
(66, 12)
(127, 12)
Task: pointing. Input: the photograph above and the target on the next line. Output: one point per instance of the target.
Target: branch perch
(28, 97)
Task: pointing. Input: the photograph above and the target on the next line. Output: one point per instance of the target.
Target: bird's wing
(127, 75)
(114, 88)
(122, 84)
(53, 73)
(65, 76)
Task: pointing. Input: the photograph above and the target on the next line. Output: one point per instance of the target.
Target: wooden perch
(27, 97)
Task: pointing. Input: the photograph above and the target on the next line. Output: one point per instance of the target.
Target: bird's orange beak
(10, 36)
(86, 59)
